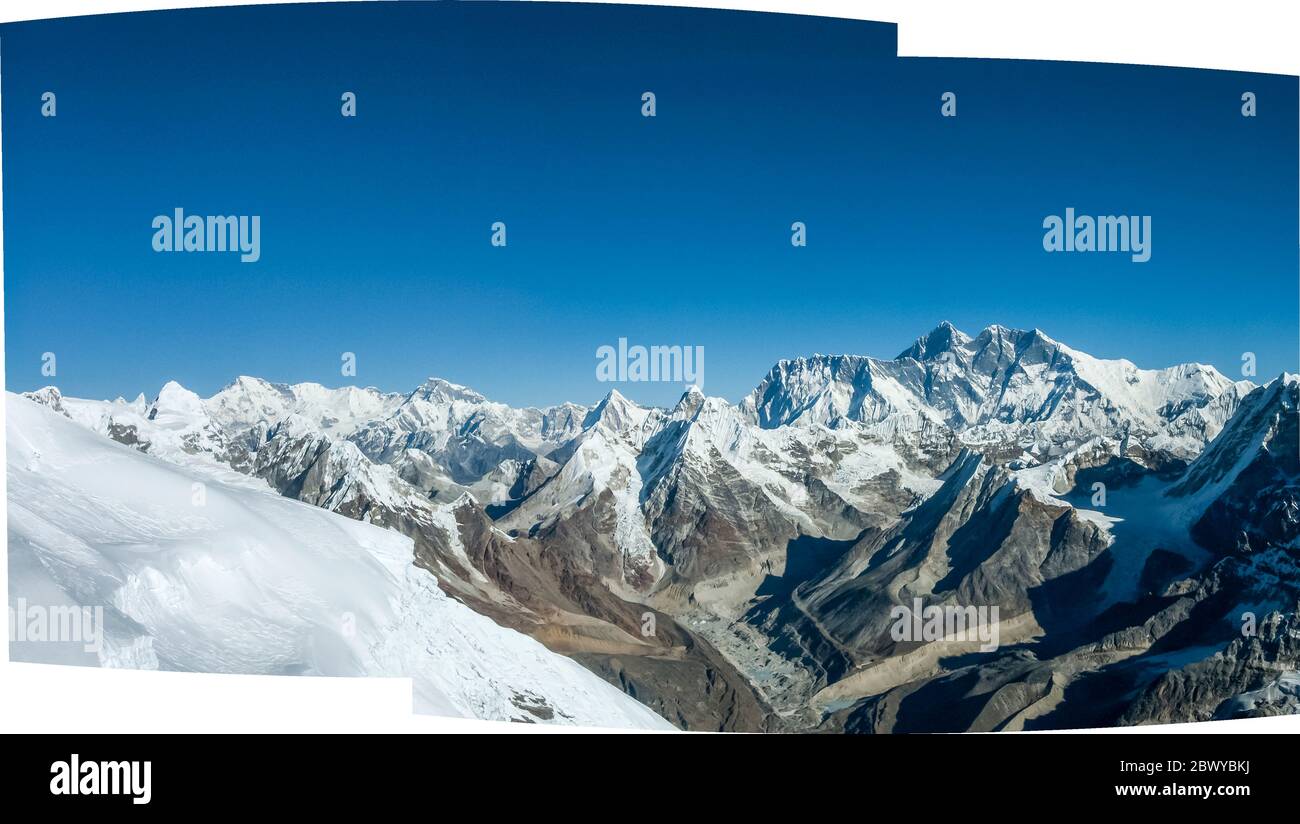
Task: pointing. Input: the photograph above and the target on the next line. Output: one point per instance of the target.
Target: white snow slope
(231, 578)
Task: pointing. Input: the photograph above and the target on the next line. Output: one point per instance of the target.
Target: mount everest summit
(728, 566)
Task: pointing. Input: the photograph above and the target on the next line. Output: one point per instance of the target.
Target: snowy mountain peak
(176, 402)
(437, 390)
(690, 403)
(465, 499)
(249, 402)
(247, 382)
(943, 338)
(616, 413)
(246, 401)
(173, 391)
(47, 396)
(1004, 386)
(612, 401)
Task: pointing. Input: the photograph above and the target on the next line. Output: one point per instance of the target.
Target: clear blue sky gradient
(671, 230)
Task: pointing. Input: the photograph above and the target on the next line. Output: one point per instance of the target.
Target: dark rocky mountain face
(1255, 473)
(984, 533)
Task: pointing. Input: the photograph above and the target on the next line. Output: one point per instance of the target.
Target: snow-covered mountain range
(764, 543)
(202, 569)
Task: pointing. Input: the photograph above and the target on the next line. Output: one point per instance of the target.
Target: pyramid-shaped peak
(691, 400)
(173, 394)
(943, 338)
(616, 411)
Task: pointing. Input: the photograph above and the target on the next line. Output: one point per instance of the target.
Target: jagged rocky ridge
(768, 541)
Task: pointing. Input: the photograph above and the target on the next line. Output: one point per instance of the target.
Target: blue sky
(665, 230)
